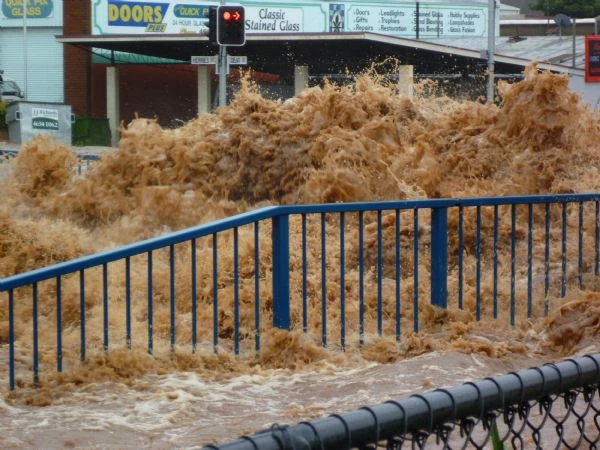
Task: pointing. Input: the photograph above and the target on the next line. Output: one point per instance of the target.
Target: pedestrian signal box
(231, 29)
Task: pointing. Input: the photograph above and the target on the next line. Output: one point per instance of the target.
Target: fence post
(439, 257)
(281, 272)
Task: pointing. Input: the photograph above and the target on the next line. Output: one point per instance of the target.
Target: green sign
(44, 119)
(191, 11)
(32, 9)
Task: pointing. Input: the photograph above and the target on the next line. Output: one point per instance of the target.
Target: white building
(29, 51)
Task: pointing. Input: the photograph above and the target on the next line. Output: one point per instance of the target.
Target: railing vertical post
(11, 339)
(439, 257)
(281, 272)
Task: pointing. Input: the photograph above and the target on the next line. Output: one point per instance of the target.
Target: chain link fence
(555, 406)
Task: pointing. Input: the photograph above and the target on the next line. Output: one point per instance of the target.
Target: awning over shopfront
(322, 52)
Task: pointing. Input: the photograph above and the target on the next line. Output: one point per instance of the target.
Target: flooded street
(330, 144)
(184, 411)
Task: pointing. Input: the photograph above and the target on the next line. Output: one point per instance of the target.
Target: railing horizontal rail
(528, 199)
(138, 248)
(268, 213)
(437, 203)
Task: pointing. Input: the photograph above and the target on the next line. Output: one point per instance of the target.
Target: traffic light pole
(491, 49)
(222, 71)
(222, 75)
(229, 23)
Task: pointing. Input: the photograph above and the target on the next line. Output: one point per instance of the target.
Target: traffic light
(230, 26)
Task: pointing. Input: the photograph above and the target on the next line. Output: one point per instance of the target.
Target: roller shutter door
(44, 62)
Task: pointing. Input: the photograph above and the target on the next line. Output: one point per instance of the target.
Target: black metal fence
(555, 406)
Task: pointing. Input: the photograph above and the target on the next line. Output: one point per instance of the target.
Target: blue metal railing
(369, 256)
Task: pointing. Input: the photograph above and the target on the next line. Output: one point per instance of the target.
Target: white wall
(43, 64)
(590, 92)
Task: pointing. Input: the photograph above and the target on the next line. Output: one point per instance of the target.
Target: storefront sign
(44, 119)
(33, 9)
(592, 59)
(274, 20)
(191, 11)
(434, 20)
(398, 19)
(149, 16)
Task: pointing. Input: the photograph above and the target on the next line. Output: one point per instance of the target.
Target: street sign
(211, 59)
(237, 60)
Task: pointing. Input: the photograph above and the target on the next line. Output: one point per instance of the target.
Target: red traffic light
(231, 25)
(231, 15)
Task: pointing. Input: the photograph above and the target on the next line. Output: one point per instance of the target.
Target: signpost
(204, 60)
(208, 60)
(221, 63)
(237, 60)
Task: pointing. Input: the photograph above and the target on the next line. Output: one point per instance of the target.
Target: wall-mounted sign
(433, 20)
(274, 20)
(44, 119)
(592, 59)
(39, 13)
(402, 19)
(136, 14)
(150, 16)
(33, 9)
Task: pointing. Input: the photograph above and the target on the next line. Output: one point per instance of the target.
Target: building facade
(29, 52)
(172, 83)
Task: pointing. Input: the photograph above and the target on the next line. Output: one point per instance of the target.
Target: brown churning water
(360, 142)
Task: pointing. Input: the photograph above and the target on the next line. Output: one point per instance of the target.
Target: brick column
(77, 61)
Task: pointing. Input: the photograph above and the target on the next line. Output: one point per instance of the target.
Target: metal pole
(222, 75)
(417, 21)
(574, 39)
(491, 48)
(547, 16)
(26, 89)
(222, 72)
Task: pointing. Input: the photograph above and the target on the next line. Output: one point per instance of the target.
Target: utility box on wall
(27, 119)
(592, 59)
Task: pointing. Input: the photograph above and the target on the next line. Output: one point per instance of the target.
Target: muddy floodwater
(182, 410)
(359, 142)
